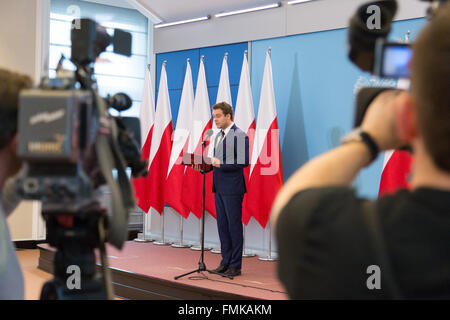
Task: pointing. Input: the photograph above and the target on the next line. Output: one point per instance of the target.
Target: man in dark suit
(231, 156)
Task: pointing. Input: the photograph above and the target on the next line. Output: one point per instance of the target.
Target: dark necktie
(222, 135)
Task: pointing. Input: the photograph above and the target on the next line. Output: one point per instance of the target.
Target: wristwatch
(361, 136)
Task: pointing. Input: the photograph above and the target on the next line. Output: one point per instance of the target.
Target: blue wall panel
(213, 56)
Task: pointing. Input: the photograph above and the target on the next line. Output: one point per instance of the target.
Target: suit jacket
(233, 153)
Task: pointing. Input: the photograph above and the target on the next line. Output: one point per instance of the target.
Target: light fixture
(230, 13)
(298, 1)
(168, 24)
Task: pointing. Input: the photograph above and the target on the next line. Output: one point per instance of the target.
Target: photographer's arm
(340, 166)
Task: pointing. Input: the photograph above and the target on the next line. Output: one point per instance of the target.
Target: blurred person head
(425, 112)
(11, 84)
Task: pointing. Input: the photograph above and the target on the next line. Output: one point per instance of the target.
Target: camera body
(56, 142)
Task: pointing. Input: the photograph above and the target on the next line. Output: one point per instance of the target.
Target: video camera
(370, 51)
(71, 146)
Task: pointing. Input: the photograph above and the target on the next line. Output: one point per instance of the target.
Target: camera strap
(377, 239)
(110, 158)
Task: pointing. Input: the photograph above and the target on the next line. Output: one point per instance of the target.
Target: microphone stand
(201, 263)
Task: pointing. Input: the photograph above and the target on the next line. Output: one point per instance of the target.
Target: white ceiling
(174, 10)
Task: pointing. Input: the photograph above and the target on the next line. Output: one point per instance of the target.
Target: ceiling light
(298, 1)
(161, 25)
(230, 13)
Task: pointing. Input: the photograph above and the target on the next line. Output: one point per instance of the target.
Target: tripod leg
(186, 274)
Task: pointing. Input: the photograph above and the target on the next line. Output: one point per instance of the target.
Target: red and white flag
(223, 95)
(224, 92)
(147, 119)
(244, 119)
(266, 174)
(396, 165)
(176, 170)
(161, 146)
(201, 122)
(396, 169)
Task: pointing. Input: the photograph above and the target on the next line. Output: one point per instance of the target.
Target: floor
(34, 278)
(259, 279)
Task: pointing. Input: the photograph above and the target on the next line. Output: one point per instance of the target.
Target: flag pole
(244, 253)
(180, 244)
(162, 241)
(198, 247)
(145, 224)
(269, 257)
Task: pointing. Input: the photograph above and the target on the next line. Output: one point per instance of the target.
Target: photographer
(11, 279)
(330, 244)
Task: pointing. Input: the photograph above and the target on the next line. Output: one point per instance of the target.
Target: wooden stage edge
(129, 285)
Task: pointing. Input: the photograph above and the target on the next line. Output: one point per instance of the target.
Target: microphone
(120, 101)
(208, 134)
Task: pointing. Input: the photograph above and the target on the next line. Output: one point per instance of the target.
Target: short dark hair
(430, 86)
(225, 107)
(11, 83)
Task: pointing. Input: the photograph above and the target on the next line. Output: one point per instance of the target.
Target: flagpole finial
(148, 67)
(269, 51)
(408, 33)
(188, 60)
(226, 54)
(203, 58)
(165, 62)
(246, 52)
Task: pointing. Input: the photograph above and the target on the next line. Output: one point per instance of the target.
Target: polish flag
(244, 119)
(396, 169)
(266, 176)
(396, 165)
(147, 119)
(201, 122)
(161, 146)
(175, 174)
(223, 95)
(224, 92)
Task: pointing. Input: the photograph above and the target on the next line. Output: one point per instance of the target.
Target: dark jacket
(233, 153)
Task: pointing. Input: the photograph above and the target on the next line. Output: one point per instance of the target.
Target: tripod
(74, 262)
(201, 263)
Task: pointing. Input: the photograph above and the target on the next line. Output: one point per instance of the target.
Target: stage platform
(146, 271)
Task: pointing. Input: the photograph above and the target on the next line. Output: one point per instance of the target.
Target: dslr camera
(71, 146)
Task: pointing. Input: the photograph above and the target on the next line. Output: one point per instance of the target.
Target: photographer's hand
(380, 121)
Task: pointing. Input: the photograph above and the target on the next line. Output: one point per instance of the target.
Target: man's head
(223, 115)
(10, 86)
(426, 112)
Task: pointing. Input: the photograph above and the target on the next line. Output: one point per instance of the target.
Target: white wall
(24, 46)
(287, 20)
